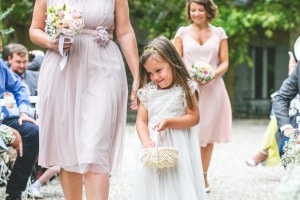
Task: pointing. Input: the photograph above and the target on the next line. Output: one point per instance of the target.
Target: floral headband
(150, 50)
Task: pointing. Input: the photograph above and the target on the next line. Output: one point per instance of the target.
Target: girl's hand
(149, 143)
(161, 126)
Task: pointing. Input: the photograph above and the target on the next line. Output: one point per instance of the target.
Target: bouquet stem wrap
(65, 54)
(65, 22)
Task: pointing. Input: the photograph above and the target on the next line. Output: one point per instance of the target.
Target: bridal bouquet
(202, 72)
(63, 20)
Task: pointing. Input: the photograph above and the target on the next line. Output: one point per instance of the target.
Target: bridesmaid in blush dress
(82, 108)
(201, 41)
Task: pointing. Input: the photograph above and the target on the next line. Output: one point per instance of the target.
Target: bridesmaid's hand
(200, 83)
(133, 96)
(54, 44)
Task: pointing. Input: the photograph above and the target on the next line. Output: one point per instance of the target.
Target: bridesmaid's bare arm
(37, 27)
(178, 45)
(126, 37)
(224, 59)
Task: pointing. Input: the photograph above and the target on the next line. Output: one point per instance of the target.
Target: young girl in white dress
(168, 105)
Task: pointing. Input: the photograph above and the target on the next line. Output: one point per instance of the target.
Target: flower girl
(168, 105)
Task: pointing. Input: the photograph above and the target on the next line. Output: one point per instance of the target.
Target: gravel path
(229, 177)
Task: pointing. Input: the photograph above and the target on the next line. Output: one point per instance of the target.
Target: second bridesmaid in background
(201, 41)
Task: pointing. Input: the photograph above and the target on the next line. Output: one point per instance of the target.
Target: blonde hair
(162, 48)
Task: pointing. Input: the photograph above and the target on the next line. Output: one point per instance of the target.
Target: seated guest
(25, 125)
(17, 58)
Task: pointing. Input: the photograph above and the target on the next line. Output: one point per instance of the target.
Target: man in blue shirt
(27, 128)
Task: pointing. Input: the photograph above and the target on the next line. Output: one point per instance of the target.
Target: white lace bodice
(164, 103)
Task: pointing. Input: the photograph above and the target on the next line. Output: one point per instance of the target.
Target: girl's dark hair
(209, 6)
(162, 48)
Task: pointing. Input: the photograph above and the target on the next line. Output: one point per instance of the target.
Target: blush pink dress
(215, 124)
(82, 108)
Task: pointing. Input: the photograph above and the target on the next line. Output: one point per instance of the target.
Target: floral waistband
(101, 35)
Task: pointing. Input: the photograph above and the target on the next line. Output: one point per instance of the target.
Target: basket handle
(157, 137)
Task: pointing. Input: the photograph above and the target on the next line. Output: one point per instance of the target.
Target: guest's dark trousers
(23, 165)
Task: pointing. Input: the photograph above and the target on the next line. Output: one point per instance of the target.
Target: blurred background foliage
(243, 21)
(17, 20)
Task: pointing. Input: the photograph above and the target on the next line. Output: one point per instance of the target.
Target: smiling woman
(201, 41)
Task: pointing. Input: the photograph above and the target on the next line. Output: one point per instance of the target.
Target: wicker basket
(159, 157)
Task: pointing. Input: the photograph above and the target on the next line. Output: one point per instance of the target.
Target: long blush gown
(215, 109)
